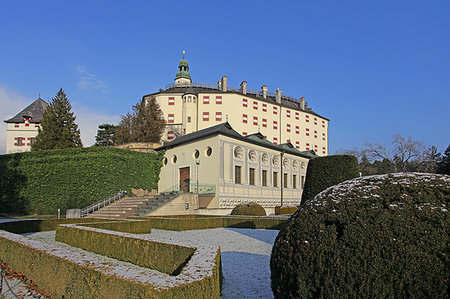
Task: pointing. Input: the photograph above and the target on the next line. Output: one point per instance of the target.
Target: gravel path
(245, 256)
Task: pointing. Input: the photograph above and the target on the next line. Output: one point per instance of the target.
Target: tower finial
(184, 52)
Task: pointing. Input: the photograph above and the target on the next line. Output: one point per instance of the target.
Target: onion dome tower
(183, 78)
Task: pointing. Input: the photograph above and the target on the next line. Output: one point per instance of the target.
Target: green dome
(183, 74)
(183, 62)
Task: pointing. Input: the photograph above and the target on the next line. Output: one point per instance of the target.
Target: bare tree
(405, 151)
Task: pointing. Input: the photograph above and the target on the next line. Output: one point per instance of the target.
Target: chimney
(302, 103)
(278, 95)
(223, 83)
(219, 84)
(244, 87)
(264, 91)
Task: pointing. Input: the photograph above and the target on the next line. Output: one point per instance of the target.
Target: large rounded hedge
(249, 209)
(383, 236)
(323, 172)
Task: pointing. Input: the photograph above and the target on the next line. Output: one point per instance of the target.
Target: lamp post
(197, 162)
(282, 176)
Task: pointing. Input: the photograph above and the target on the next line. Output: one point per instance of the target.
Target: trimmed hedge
(373, 237)
(39, 225)
(43, 182)
(249, 209)
(180, 223)
(285, 210)
(144, 253)
(324, 172)
(67, 276)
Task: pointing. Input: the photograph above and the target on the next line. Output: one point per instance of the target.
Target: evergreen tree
(444, 165)
(145, 124)
(59, 129)
(106, 135)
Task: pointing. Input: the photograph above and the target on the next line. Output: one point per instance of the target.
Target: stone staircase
(156, 202)
(122, 208)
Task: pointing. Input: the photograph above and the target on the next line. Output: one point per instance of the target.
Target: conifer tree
(59, 129)
(106, 135)
(145, 124)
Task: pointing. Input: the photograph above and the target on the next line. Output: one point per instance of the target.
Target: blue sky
(374, 68)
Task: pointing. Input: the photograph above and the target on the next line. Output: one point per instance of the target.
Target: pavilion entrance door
(184, 179)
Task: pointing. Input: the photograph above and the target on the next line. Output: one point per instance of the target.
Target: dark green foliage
(324, 172)
(106, 135)
(371, 237)
(44, 181)
(444, 165)
(145, 124)
(250, 209)
(59, 129)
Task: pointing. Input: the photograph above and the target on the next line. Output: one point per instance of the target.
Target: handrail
(102, 203)
(203, 189)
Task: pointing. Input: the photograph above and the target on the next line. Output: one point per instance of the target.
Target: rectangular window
(275, 110)
(297, 130)
(205, 100)
(218, 100)
(275, 140)
(244, 133)
(36, 126)
(264, 107)
(205, 116)
(288, 113)
(323, 150)
(255, 105)
(170, 118)
(275, 179)
(323, 124)
(264, 123)
(297, 145)
(244, 103)
(252, 176)
(315, 148)
(307, 146)
(244, 118)
(20, 141)
(27, 124)
(171, 101)
(294, 181)
(285, 180)
(315, 121)
(237, 174)
(188, 119)
(170, 135)
(32, 140)
(323, 136)
(302, 181)
(307, 132)
(255, 120)
(264, 178)
(315, 134)
(307, 118)
(288, 127)
(218, 116)
(297, 115)
(275, 125)
(16, 125)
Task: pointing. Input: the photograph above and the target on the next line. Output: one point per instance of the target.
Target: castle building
(217, 168)
(23, 128)
(189, 107)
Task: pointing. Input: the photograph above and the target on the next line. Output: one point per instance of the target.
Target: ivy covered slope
(44, 181)
(383, 236)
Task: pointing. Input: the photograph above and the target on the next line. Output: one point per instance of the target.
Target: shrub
(251, 209)
(373, 237)
(44, 181)
(285, 210)
(324, 172)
